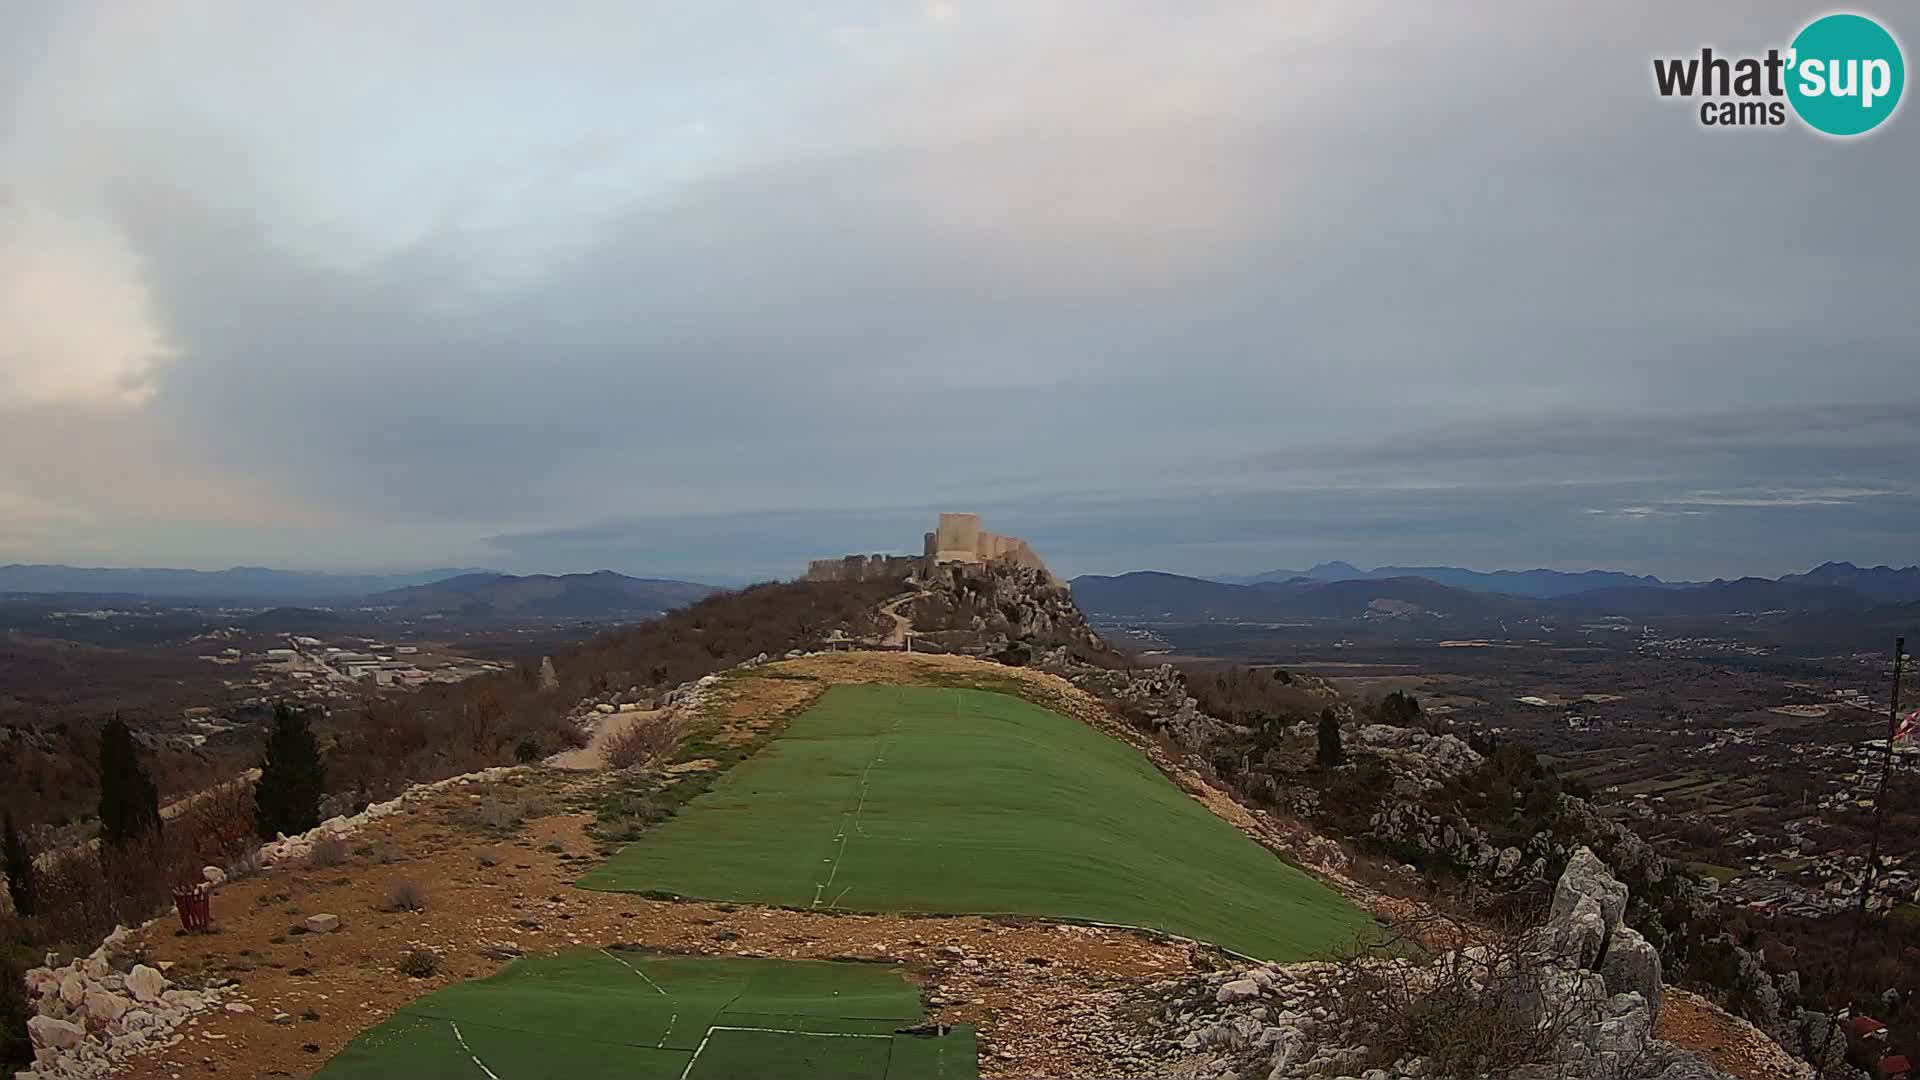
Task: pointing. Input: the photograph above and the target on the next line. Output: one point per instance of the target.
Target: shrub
(329, 850)
(419, 963)
(487, 857)
(220, 824)
(527, 750)
(407, 895)
(624, 815)
(496, 814)
(642, 743)
(1331, 754)
(1463, 1012)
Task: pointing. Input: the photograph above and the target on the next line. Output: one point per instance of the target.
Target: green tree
(1332, 755)
(19, 865)
(129, 803)
(286, 798)
(1400, 710)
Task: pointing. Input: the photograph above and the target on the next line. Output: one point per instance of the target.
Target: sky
(706, 290)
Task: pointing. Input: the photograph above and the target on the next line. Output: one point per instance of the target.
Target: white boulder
(145, 983)
(54, 1034)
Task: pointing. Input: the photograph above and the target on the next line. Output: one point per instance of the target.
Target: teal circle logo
(1846, 74)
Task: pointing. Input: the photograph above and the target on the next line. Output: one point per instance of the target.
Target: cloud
(665, 286)
(77, 325)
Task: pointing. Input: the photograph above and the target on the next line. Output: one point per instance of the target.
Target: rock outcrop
(1585, 983)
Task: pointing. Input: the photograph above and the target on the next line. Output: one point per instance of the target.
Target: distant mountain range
(465, 593)
(237, 583)
(1338, 590)
(568, 596)
(1876, 584)
(1535, 583)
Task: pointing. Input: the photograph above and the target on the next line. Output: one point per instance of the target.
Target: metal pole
(1873, 847)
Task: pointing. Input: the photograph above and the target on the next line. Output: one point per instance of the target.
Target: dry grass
(1474, 1010)
(419, 963)
(406, 895)
(329, 850)
(642, 744)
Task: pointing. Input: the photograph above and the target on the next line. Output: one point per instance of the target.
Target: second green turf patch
(962, 801)
(650, 1017)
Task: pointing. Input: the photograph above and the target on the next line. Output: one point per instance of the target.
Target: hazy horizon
(713, 290)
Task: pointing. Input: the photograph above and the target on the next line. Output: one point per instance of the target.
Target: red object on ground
(195, 904)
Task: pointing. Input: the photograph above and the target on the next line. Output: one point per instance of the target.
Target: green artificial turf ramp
(890, 798)
(651, 1017)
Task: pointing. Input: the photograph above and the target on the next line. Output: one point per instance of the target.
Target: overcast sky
(711, 288)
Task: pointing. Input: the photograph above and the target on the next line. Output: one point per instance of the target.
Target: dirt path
(897, 637)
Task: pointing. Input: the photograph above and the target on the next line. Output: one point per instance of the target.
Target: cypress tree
(129, 803)
(286, 798)
(19, 864)
(1331, 753)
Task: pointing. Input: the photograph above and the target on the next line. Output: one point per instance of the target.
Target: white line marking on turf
(470, 1053)
(674, 1019)
(704, 1039)
(866, 778)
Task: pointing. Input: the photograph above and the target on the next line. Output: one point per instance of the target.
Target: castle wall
(958, 538)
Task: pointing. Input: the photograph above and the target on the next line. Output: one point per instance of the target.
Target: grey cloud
(1202, 292)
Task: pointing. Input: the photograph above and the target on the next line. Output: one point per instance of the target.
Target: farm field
(645, 1016)
(891, 798)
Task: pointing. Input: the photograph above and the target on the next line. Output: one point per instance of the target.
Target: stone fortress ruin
(958, 538)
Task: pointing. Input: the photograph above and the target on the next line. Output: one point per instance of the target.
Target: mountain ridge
(1150, 593)
(1879, 584)
(598, 594)
(257, 582)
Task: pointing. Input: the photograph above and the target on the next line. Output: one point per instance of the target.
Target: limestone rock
(1632, 965)
(145, 983)
(1509, 862)
(322, 923)
(1581, 933)
(1237, 990)
(1586, 875)
(54, 1034)
(106, 1007)
(213, 876)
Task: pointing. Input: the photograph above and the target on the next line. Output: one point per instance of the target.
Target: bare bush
(1477, 1008)
(329, 850)
(498, 815)
(642, 743)
(244, 864)
(419, 963)
(406, 895)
